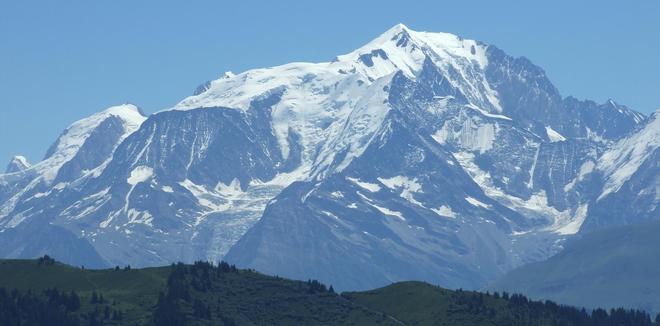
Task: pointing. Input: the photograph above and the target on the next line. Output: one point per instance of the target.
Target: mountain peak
(401, 48)
(77, 132)
(400, 27)
(68, 143)
(622, 109)
(397, 49)
(628, 154)
(17, 164)
(396, 30)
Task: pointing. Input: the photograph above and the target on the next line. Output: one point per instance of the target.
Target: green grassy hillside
(206, 294)
(134, 291)
(417, 303)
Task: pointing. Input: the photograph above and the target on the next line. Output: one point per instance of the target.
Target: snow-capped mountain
(417, 156)
(31, 197)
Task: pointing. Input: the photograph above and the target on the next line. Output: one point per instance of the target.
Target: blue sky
(64, 60)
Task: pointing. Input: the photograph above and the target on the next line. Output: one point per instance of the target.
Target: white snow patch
(554, 135)
(140, 174)
(488, 114)
(233, 189)
(444, 211)
(330, 214)
(60, 186)
(41, 194)
(337, 194)
(530, 183)
(400, 181)
(168, 189)
(572, 226)
(441, 135)
(407, 186)
(372, 187)
(474, 202)
(88, 210)
(381, 209)
(388, 211)
(205, 197)
(284, 179)
(137, 217)
(586, 168)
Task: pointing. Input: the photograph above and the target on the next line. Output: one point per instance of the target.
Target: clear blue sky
(63, 60)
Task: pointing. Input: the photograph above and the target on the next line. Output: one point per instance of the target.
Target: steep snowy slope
(403, 210)
(80, 153)
(629, 173)
(623, 159)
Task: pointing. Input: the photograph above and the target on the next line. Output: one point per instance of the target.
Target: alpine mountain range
(418, 156)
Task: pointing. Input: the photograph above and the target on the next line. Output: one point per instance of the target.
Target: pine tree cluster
(183, 280)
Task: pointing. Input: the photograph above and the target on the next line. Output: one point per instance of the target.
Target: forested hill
(44, 292)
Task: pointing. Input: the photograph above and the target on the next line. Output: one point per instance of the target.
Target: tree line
(184, 302)
(520, 310)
